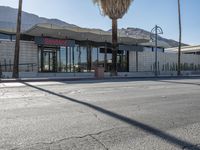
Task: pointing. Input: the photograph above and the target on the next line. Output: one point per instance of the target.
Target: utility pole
(17, 43)
(180, 38)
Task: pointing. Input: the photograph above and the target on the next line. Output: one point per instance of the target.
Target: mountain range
(8, 19)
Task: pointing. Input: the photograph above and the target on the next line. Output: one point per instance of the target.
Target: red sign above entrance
(48, 41)
(54, 42)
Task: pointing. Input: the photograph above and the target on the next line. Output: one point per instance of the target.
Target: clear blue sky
(143, 14)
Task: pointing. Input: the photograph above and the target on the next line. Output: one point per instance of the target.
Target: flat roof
(161, 44)
(82, 34)
(194, 48)
(7, 31)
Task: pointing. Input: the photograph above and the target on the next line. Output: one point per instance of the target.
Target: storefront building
(52, 51)
(67, 56)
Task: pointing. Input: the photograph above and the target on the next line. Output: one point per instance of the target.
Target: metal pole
(70, 59)
(137, 69)
(180, 36)
(0, 70)
(73, 60)
(17, 44)
(154, 36)
(105, 57)
(156, 52)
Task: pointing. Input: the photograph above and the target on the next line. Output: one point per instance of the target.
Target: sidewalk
(93, 78)
(46, 79)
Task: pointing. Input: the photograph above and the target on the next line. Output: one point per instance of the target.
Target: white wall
(132, 61)
(28, 54)
(166, 61)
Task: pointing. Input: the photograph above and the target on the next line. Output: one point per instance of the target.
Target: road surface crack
(96, 116)
(104, 146)
(77, 137)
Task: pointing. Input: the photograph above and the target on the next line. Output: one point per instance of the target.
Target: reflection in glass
(69, 59)
(49, 59)
(83, 59)
(62, 63)
(39, 60)
(80, 59)
(94, 58)
(77, 57)
(109, 60)
(101, 59)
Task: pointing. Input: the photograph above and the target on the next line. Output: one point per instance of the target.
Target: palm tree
(180, 37)
(17, 43)
(114, 9)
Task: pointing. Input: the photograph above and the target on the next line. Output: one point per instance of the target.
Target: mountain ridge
(8, 17)
(28, 19)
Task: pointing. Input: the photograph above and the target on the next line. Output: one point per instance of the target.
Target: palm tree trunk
(180, 37)
(114, 45)
(17, 44)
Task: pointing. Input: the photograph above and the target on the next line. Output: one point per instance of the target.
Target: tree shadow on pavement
(144, 127)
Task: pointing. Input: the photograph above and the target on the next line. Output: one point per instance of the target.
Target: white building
(52, 51)
(186, 49)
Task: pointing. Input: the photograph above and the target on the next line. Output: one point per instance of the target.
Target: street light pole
(17, 43)
(156, 51)
(154, 36)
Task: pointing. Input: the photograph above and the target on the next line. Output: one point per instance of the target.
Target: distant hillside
(140, 32)
(8, 19)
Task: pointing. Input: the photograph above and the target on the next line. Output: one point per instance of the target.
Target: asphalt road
(101, 115)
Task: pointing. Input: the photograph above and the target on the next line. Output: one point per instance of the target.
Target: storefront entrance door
(49, 61)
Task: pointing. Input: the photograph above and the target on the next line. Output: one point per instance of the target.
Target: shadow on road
(144, 127)
(176, 82)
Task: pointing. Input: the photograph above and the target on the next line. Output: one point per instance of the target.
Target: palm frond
(115, 9)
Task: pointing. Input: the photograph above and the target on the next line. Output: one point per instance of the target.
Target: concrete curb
(98, 79)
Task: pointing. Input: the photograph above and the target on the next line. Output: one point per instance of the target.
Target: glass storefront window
(125, 62)
(101, 58)
(109, 60)
(79, 59)
(94, 58)
(39, 59)
(69, 59)
(47, 58)
(119, 61)
(83, 59)
(62, 67)
(7, 37)
(80, 56)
